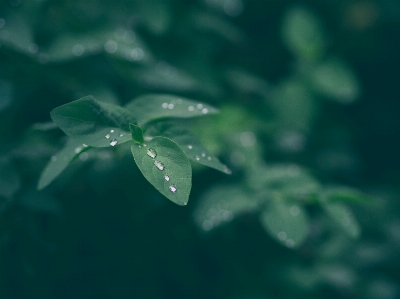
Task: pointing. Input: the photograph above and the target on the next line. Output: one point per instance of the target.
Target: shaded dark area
(309, 124)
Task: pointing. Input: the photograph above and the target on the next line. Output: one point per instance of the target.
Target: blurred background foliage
(309, 124)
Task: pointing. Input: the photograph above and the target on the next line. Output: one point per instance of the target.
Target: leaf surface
(59, 162)
(156, 106)
(343, 216)
(286, 222)
(190, 145)
(94, 123)
(164, 164)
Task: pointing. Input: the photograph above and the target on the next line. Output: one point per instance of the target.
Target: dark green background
(102, 231)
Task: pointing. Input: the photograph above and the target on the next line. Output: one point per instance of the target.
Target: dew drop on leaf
(121, 135)
(190, 108)
(165, 105)
(113, 142)
(53, 158)
(204, 110)
(190, 147)
(111, 131)
(167, 178)
(159, 165)
(172, 188)
(151, 153)
(199, 106)
(107, 136)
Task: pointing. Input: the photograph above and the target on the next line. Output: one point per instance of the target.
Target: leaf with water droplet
(174, 164)
(137, 133)
(285, 223)
(343, 217)
(9, 178)
(191, 146)
(59, 162)
(91, 122)
(222, 204)
(150, 107)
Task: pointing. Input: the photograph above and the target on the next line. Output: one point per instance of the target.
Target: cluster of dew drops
(153, 154)
(113, 141)
(198, 108)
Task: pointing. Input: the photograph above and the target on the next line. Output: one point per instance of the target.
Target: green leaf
(94, 123)
(121, 43)
(60, 161)
(303, 34)
(9, 178)
(343, 216)
(156, 106)
(190, 145)
(286, 222)
(344, 195)
(334, 79)
(221, 205)
(164, 164)
(137, 133)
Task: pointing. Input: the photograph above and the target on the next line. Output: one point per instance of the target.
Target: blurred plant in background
(308, 124)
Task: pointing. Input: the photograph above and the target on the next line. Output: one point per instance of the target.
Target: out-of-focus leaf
(335, 80)
(156, 15)
(293, 105)
(121, 42)
(286, 222)
(247, 82)
(60, 161)
(344, 194)
(222, 204)
(164, 77)
(156, 106)
(164, 164)
(17, 34)
(303, 33)
(343, 216)
(190, 145)
(9, 178)
(94, 123)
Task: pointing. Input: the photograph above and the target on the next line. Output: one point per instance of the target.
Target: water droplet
(107, 136)
(248, 139)
(2, 23)
(78, 150)
(84, 145)
(121, 135)
(197, 158)
(113, 142)
(190, 108)
(171, 106)
(172, 188)
(111, 46)
(282, 236)
(199, 106)
(167, 178)
(151, 153)
(207, 225)
(136, 54)
(165, 105)
(53, 158)
(204, 110)
(209, 158)
(159, 165)
(190, 147)
(78, 50)
(290, 243)
(112, 131)
(140, 146)
(33, 48)
(203, 154)
(84, 156)
(294, 211)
